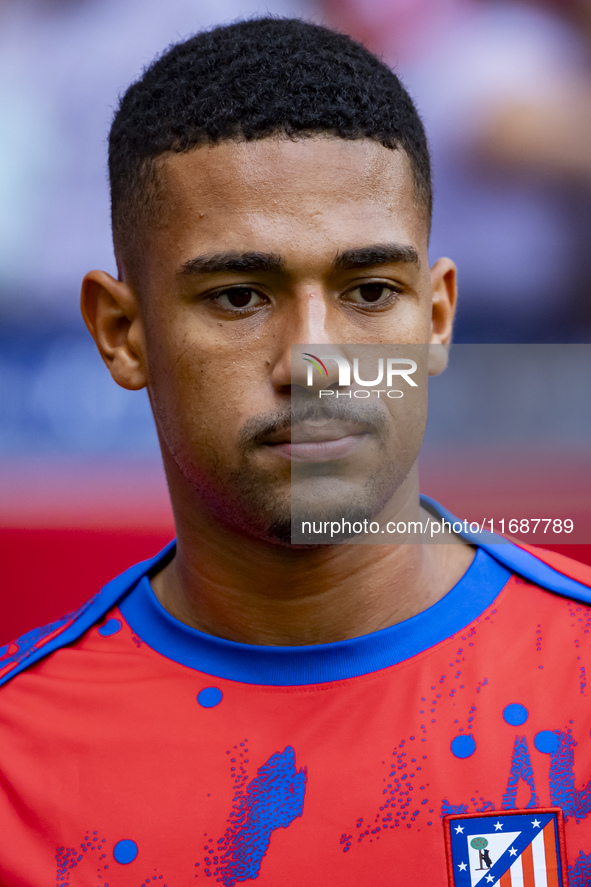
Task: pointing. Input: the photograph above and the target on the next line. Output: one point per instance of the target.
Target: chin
(276, 512)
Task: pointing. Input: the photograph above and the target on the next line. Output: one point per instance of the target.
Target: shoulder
(561, 563)
(548, 569)
(32, 642)
(38, 643)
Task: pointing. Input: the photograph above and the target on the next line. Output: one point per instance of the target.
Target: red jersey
(452, 748)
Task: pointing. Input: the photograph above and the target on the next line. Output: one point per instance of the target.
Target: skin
(212, 369)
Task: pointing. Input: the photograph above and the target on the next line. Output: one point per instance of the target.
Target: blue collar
(288, 666)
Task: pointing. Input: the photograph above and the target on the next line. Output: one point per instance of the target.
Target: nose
(305, 339)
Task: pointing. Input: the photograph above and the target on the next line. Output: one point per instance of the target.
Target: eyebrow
(233, 262)
(377, 254)
(347, 260)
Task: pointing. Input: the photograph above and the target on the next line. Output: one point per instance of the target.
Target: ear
(111, 313)
(443, 284)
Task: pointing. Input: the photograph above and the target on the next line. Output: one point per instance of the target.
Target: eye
(238, 298)
(372, 294)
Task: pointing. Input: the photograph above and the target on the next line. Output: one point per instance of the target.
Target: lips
(318, 441)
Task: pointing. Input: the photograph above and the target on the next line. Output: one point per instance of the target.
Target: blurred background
(504, 88)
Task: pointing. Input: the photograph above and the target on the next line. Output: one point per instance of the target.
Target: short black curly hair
(249, 80)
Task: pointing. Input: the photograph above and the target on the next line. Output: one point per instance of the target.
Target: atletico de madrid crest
(521, 848)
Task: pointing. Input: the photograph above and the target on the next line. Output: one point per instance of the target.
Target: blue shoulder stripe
(519, 561)
(30, 647)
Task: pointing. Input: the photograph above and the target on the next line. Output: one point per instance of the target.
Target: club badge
(521, 848)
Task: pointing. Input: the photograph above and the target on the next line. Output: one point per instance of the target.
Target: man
(242, 707)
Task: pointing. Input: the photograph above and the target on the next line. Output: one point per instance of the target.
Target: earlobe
(110, 311)
(438, 358)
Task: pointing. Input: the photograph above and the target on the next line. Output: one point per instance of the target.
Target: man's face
(251, 254)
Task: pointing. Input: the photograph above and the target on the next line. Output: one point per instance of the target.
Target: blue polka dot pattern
(463, 746)
(209, 697)
(125, 851)
(111, 626)
(516, 714)
(546, 741)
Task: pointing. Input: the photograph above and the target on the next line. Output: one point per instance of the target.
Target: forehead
(306, 194)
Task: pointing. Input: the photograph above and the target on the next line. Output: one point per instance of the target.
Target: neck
(244, 589)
